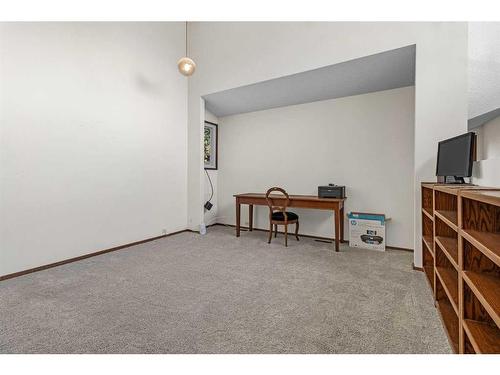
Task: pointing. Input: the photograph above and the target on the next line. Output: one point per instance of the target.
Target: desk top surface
(292, 197)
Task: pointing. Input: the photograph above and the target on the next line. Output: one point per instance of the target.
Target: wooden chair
(278, 215)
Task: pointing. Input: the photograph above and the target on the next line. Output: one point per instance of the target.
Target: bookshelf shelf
(484, 337)
(486, 289)
(450, 322)
(487, 243)
(449, 217)
(449, 246)
(428, 242)
(449, 281)
(427, 213)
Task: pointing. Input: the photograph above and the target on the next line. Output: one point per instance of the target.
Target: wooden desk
(301, 201)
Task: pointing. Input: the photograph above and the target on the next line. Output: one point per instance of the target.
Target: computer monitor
(455, 157)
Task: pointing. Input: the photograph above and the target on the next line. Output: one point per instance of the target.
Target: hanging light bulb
(186, 65)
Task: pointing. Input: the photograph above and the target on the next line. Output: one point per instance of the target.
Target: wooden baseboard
(417, 268)
(399, 248)
(85, 256)
(81, 257)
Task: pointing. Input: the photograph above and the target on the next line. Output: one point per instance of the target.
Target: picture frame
(210, 145)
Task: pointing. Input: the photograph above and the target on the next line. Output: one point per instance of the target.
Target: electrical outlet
(163, 231)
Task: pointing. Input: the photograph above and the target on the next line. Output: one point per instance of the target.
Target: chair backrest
(277, 202)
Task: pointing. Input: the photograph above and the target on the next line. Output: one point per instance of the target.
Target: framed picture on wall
(210, 145)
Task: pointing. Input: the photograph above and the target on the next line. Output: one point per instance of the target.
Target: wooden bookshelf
(428, 233)
(427, 198)
(428, 263)
(479, 234)
(461, 259)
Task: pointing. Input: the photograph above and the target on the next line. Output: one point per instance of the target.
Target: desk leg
(342, 218)
(337, 228)
(250, 217)
(238, 210)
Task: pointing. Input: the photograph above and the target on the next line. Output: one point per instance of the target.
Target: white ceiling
(484, 72)
(484, 67)
(383, 71)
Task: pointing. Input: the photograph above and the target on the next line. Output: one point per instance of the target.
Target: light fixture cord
(211, 186)
(187, 39)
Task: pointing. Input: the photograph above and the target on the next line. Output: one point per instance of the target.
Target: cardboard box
(367, 230)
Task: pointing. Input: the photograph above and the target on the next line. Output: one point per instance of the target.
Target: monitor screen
(455, 156)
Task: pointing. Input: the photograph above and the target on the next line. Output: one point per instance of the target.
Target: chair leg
(275, 230)
(297, 230)
(270, 232)
(286, 235)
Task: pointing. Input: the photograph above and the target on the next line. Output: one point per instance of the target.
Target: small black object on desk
(331, 191)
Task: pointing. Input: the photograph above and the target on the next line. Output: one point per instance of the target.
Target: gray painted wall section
(382, 71)
(483, 119)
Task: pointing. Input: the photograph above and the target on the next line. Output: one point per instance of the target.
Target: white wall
(93, 139)
(235, 54)
(486, 171)
(364, 142)
(210, 217)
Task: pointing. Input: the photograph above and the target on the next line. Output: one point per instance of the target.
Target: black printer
(331, 191)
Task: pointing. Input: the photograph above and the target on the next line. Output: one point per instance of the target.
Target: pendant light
(185, 65)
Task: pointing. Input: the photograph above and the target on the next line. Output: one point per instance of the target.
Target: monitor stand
(454, 180)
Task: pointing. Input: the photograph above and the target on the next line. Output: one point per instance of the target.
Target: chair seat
(278, 216)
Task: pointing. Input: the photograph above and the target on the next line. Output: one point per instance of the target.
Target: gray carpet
(220, 294)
